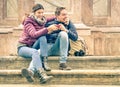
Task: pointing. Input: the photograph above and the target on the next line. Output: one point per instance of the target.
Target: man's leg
(60, 48)
(41, 44)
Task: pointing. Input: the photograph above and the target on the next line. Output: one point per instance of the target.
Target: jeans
(32, 52)
(41, 44)
(60, 47)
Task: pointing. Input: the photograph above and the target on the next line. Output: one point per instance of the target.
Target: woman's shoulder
(28, 20)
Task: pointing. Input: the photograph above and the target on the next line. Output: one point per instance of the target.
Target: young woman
(32, 39)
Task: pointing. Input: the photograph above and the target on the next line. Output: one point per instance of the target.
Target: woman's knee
(28, 53)
(35, 52)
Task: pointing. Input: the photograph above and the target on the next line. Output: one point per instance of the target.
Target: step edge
(57, 57)
(65, 72)
(38, 85)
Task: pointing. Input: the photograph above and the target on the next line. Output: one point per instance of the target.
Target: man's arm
(72, 33)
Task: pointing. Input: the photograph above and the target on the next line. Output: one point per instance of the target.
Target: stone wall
(104, 41)
(102, 36)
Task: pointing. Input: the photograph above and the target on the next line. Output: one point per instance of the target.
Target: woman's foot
(27, 74)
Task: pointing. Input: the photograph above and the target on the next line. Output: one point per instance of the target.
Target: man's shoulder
(50, 22)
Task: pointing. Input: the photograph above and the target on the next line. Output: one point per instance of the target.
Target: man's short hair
(58, 10)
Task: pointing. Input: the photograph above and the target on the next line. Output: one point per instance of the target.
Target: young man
(58, 40)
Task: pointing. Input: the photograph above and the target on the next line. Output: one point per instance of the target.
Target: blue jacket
(72, 34)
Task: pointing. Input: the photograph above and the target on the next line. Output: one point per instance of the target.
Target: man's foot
(63, 66)
(27, 74)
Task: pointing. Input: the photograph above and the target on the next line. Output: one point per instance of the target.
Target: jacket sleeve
(72, 33)
(50, 19)
(30, 29)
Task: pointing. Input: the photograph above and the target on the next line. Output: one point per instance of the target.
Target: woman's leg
(35, 64)
(28, 52)
(41, 44)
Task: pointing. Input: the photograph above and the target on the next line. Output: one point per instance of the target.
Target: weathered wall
(103, 36)
(115, 13)
(100, 40)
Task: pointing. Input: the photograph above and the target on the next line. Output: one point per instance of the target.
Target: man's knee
(63, 34)
(42, 38)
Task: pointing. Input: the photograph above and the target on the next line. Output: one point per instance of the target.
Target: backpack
(78, 48)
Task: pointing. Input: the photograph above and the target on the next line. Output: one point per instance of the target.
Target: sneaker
(28, 75)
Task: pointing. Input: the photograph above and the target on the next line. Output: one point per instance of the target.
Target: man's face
(63, 16)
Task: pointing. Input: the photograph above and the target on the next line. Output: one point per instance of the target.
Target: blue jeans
(60, 47)
(32, 52)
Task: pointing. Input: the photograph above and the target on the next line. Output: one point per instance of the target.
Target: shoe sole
(47, 69)
(45, 81)
(64, 68)
(25, 73)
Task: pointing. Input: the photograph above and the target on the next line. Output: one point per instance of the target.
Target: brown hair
(58, 10)
(37, 7)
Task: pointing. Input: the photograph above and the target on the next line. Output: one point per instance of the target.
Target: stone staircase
(87, 70)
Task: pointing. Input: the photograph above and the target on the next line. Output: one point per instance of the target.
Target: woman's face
(39, 13)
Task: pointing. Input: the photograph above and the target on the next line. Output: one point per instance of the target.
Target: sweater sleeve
(30, 29)
(72, 33)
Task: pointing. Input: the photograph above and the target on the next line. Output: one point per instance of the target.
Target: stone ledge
(85, 62)
(87, 73)
(60, 85)
(5, 29)
(69, 57)
(107, 29)
(81, 28)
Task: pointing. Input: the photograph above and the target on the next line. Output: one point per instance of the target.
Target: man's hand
(62, 27)
(67, 21)
(52, 28)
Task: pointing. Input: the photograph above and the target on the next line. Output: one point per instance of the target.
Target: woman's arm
(30, 29)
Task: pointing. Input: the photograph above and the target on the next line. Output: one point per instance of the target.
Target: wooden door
(8, 12)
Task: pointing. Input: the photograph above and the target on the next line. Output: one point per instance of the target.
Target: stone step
(72, 77)
(31, 85)
(85, 62)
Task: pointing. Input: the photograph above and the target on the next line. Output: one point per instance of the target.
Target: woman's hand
(52, 28)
